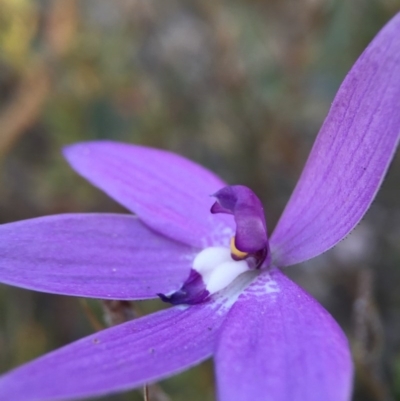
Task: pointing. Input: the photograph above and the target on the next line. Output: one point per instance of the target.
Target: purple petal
(119, 358)
(92, 255)
(279, 343)
(242, 202)
(168, 192)
(350, 156)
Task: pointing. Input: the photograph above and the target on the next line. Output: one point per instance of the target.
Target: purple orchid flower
(270, 339)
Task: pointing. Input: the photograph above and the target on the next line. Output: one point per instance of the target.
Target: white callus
(217, 268)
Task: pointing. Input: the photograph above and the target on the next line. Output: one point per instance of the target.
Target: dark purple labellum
(192, 292)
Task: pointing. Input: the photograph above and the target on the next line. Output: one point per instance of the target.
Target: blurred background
(241, 87)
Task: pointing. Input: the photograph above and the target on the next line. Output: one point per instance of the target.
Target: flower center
(213, 269)
(216, 267)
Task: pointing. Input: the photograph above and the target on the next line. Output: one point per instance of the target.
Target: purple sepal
(349, 158)
(157, 185)
(277, 343)
(244, 205)
(192, 292)
(122, 357)
(107, 256)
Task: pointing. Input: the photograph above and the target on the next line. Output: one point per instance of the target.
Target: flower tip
(164, 298)
(182, 297)
(80, 148)
(217, 208)
(65, 150)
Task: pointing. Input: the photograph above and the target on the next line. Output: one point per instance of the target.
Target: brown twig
(24, 108)
(117, 312)
(35, 85)
(368, 338)
(146, 393)
(95, 323)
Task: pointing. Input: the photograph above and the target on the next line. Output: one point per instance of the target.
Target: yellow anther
(239, 255)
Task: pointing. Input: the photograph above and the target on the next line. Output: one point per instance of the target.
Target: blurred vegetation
(241, 87)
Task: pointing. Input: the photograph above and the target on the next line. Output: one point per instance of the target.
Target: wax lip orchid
(270, 339)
